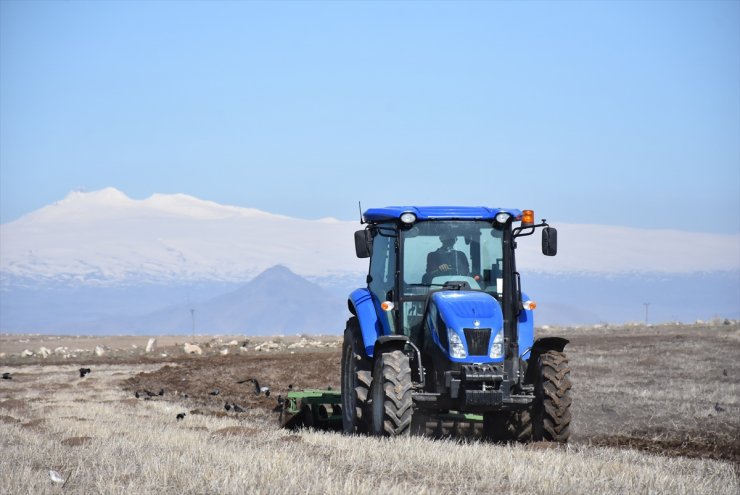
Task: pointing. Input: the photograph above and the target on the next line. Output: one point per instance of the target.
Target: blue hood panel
(463, 309)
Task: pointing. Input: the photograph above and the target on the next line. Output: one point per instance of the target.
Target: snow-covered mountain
(106, 238)
(101, 254)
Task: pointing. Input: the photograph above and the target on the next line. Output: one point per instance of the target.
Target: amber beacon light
(528, 217)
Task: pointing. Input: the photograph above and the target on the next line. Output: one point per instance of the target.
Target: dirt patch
(8, 419)
(129, 402)
(34, 423)
(75, 441)
(291, 439)
(16, 404)
(704, 444)
(235, 430)
(211, 383)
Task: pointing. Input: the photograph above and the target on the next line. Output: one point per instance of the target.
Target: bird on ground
(84, 371)
(215, 391)
(718, 408)
(237, 408)
(265, 390)
(724, 373)
(6, 376)
(180, 416)
(257, 388)
(227, 406)
(137, 394)
(149, 393)
(161, 392)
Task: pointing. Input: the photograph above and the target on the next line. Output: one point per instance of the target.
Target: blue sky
(623, 113)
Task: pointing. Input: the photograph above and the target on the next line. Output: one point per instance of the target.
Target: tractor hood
(468, 309)
(475, 317)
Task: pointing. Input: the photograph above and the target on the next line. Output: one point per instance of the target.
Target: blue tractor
(444, 327)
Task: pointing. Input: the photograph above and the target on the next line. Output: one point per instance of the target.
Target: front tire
(391, 393)
(550, 416)
(356, 380)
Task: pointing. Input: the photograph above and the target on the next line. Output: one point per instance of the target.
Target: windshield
(435, 252)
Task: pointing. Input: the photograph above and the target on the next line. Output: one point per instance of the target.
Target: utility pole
(647, 305)
(192, 318)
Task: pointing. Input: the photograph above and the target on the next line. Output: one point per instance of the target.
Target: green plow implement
(312, 408)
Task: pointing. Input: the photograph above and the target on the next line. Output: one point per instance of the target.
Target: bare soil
(670, 390)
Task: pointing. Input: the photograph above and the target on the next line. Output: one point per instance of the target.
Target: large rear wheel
(356, 380)
(391, 395)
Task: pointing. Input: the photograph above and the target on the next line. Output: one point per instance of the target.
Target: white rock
(224, 352)
(99, 350)
(44, 352)
(192, 349)
(60, 350)
(2, 354)
(243, 349)
(233, 343)
(27, 353)
(151, 345)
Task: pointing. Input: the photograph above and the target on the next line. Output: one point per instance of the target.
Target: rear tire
(391, 392)
(356, 380)
(550, 415)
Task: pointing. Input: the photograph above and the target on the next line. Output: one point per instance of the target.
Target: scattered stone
(243, 349)
(151, 345)
(233, 343)
(99, 350)
(27, 353)
(223, 352)
(60, 351)
(44, 352)
(192, 349)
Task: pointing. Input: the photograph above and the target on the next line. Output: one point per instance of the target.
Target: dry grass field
(656, 410)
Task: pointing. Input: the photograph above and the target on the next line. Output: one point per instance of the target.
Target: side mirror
(363, 243)
(549, 241)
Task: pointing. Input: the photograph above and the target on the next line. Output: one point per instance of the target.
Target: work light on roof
(502, 217)
(408, 218)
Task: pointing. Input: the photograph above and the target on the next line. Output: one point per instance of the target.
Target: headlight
(408, 218)
(502, 217)
(457, 349)
(497, 349)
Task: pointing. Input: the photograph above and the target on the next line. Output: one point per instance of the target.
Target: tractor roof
(374, 215)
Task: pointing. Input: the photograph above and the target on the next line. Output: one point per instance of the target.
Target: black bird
(724, 373)
(266, 391)
(215, 391)
(84, 371)
(290, 387)
(137, 394)
(149, 393)
(237, 408)
(6, 376)
(227, 406)
(161, 392)
(718, 408)
(180, 416)
(280, 400)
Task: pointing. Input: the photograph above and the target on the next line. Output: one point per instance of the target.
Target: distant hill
(101, 262)
(275, 302)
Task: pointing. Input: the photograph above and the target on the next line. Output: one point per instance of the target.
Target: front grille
(477, 339)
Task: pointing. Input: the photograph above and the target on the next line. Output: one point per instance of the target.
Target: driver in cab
(446, 260)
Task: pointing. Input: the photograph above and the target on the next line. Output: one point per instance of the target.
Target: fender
(543, 345)
(361, 305)
(390, 342)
